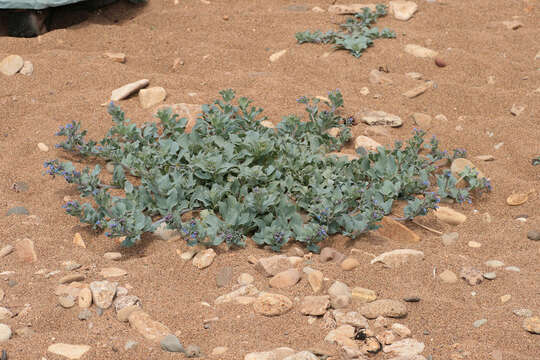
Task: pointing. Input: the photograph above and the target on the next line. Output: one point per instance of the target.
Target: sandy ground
(72, 78)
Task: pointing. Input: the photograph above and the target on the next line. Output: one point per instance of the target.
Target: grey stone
(20, 186)
(479, 323)
(490, 275)
(17, 210)
(171, 343)
(533, 235)
(130, 344)
(224, 276)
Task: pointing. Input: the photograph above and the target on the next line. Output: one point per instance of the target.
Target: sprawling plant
(240, 179)
(357, 32)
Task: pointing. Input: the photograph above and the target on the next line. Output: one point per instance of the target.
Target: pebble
(479, 323)
(399, 257)
(378, 77)
(42, 147)
(512, 24)
(523, 312)
(78, 240)
(364, 91)
(423, 121)
(152, 96)
(5, 332)
(71, 278)
(71, 265)
(85, 298)
(84, 314)
(277, 55)
(112, 256)
(351, 318)
(11, 65)
(412, 299)
(130, 344)
(420, 51)
(401, 330)
(112, 272)
(418, 90)
(66, 301)
(193, 351)
(126, 90)
(449, 239)
(5, 313)
(450, 216)
(363, 295)
(474, 244)
(69, 351)
(512, 268)
(125, 301)
(494, 263)
(366, 142)
(533, 235)
(459, 165)
(485, 157)
(506, 298)
(17, 210)
(532, 324)
(490, 275)
(6, 250)
(123, 314)
(219, 350)
(285, 279)
(340, 295)
(440, 62)
(402, 10)
(204, 258)
(414, 75)
(116, 57)
(448, 276)
(405, 349)
(171, 343)
(317, 9)
(150, 329)
(315, 279)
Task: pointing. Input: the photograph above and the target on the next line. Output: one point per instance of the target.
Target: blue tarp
(34, 4)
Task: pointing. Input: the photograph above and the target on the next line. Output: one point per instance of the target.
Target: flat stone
(171, 343)
(103, 293)
(341, 336)
(384, 307)
(367, 143)
(523, 312)
(268, 124)
(11, 65)
(112, 272)
(401, 330)
(27, 69)
(506, 298)
(66, 301)
(269, 304)
(350, 9)
(17, 210)
(533, 235)
(69, 351)
(532, 324)
(396, 231)
(423, 121)
(351, 318)
(494, 263)
(204, 259)
(402, 10)
(78, 240)
(420, 51)
(418, 90)
(414, 75)
(42, 147)
(151, 96)
(449, 239)
(277, 55)
(340, 295)
(406, 348)
(285, 279)
(126, 90)
(489, 275)
(116, 57)
(270, 266)
(471, 275)
(448, 277)
(224, 276)
(399, 257)
(150, 329)
(315, 305)
(512, 268)
(315, 280)
(512, 24)
(112, 256)
(25, 250)
(378, 77)
(244, 291)
(459, 165)
(85, 298)
(450, 216)
(71, 265)
(474, 244)
(379, 118)
(485, 157)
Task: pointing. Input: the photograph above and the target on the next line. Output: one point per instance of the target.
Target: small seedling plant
(356, 35)
(237, 178)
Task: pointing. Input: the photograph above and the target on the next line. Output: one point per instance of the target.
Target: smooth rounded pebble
(5, 332)
(490, 275)
(171, 343)
(479, 323)
(533, 235)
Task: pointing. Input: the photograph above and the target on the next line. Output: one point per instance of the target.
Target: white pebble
(43, 147)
